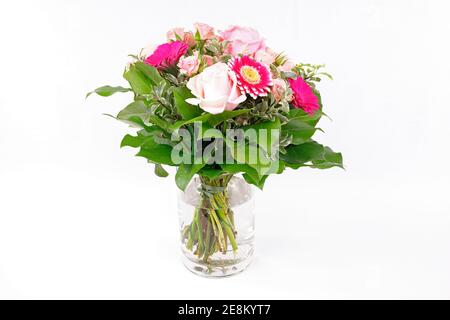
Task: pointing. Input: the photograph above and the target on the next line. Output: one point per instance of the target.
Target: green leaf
(252, 155)
(135, 109)
(158, 153)
(107, 91)
(268, 125)
(150, 149)
(241, 168)
(160, 171)
(271, 134)
(185, 173)
(210, 172)
(179, 124)
(212, 119)
(300, 131)
(186, 110)
(149, 72)
(258, 183)
(138, 81)
(144, 137)
(163, 124)
(312, 152)
(216, 119)
(303, 153)
(330, 159)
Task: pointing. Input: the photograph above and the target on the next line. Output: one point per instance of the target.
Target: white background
(81, 218)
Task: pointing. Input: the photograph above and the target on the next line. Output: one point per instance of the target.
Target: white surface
(81, 218)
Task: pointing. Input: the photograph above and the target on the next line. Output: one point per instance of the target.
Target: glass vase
(217, 225)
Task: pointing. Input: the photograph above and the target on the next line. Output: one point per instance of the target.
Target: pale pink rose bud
(173, 33)
(266, 56)
(278, 89)
(242, 40)
(189, 65)
(287, 66)
(208, 60)
(206, 31)
(189, 39)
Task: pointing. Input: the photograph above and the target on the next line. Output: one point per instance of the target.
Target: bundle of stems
(212, 228)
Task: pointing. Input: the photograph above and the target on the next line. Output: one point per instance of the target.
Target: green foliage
(160, 111)
(186, 110)
(160, 171)
(107, 91)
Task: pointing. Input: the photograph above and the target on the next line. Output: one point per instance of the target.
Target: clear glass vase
(217, 225)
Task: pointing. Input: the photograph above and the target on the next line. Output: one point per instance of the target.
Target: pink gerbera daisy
(167, 55)
(304, 97)
(252, 77)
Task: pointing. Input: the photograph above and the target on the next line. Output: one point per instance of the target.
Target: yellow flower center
(250, 74)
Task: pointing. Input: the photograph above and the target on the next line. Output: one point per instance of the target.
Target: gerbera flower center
(250, 74)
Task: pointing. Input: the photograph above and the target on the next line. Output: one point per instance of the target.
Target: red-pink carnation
(304, 97)
(167, 55)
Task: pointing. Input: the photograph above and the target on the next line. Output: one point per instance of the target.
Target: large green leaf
(300, 154)
(135, 109)
(186, 110)
(330, 159)
(157, 153)
(138, 81)
(212, 119)
(216, 119)
(107, 91)
(299, 130)
(252, 155)
(241, 168)
(268, 134)
(185, 173)
(258, 183)
(311, 152)
(150, 149)
(149, 72)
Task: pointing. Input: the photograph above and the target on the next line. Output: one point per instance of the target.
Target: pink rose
(304, 97)
(208, 60)
(167, 55)
(287, 66)
(175, 34)
(266, 56)
(189, 39)
(215, 89)
(243, 40)
(179, 33)
(189, 65)
(278, 89)
(206, 32)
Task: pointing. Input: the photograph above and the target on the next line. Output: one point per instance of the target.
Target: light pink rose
(189, 65)
(189, 39)
(208, 60)
(206, 31)
(278, 89)
(266, 56)
(287, 66)
(179, 33)
(215, 89)
(173, 33)
(243, 40)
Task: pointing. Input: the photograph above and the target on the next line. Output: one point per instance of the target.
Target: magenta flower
(167, 55)
(304, 97)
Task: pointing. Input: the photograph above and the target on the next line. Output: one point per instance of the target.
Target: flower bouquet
(218, 105)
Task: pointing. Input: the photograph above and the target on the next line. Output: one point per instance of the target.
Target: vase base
(218, 268)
